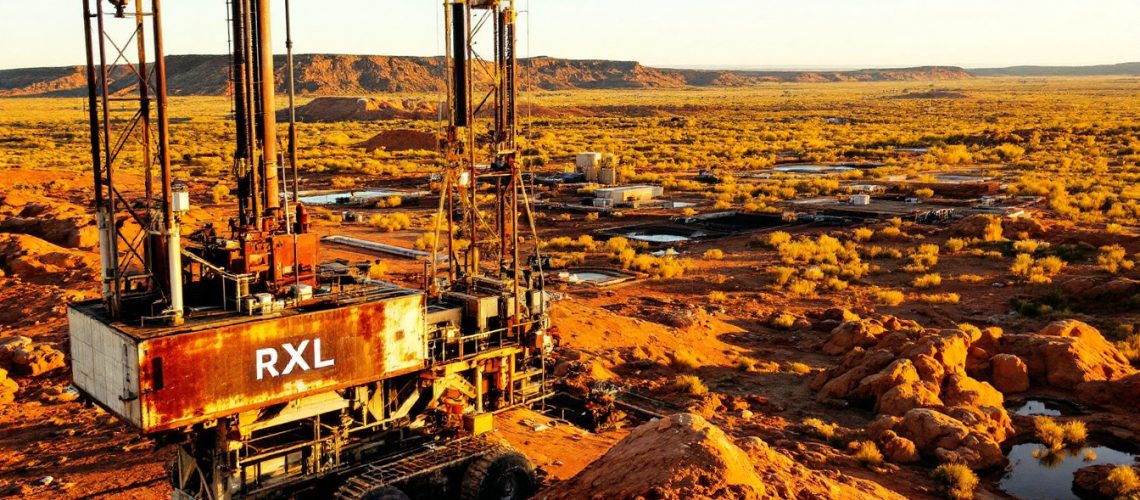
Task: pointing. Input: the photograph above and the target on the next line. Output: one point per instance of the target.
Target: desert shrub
(889, 233)
(219, 193)
(336, 139)
(923, 258)
(584, 243)
(940, 298)
(390, 222)
(1039, 271)
(690, 384)
(683, 360)
(1075, 432)
(1130, 348)
(866, 453)
(802, 288)
(1114, 259)
(799, 368)
(688, 212)
(657, 267)
(814, 273)
(924, 193)
(862, 234)
(783, 321)
(819, 429)
(993, 229)
(1028, 246)
(876, 252)
(841, 259)
(971, 278)
(713, 254)
(1114, 228)
(927, 281)
(717, 297)
(774, 239)
(592, 216)
(835, 284)
(782, 275)
(955, 481)
(343, 182)
(887, 297)
(1049, 432)
(389, 202)
(955, 245)
(1124, 481)
(616, 244)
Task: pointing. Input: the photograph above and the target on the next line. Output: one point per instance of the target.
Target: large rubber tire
(500, 475)
(386, 493)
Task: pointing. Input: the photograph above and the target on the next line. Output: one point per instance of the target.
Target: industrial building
(628, 196)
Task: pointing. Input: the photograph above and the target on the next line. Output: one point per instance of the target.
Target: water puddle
(346, 197)
(1036, 472)
(813, 169)
(656, 238)
(1045, 407)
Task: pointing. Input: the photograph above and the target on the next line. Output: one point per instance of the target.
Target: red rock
(1009, 373)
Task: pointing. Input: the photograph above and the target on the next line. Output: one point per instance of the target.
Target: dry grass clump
(862, 234)
(718, 297)
(799, 368)
(885, 297)
(219, 193)
(955, 481)
(1130, 348)
(390, 222)
(927, 281)
(819, 429)
(866, 453)
(1114, 259)
(923, 258)
(971, 278)
(713, 254)
(584, 243)
(389, 202)
(783, 321)
(683, 360)
(747, 364)
(955, 245)
(993, 229)
(774, 239)
(1125, 482)
(1036, 271)
(1049, 432)
(377, 269)
(690, 384)
(1029, 246)
(1075, 432)
(940, 298)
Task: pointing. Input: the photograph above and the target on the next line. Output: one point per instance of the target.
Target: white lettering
(317, 361)
(266, 361)
(296, 357)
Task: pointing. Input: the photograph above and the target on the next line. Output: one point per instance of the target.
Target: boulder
(1066, 354)
(1093, 481)
(62, 223)
(1009, 374)
(947, 440)
(902, 398)
(846, 378)
(960, 389)
(861, 333)
(1123, 392)
(898, 449)
(949, 348)
(21, 354)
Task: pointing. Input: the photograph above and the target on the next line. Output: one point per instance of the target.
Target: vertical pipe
(459, 63)
(112, 235)
(241, 113)
(101, 217)
(268, 108)
(173, 238)
(251, 106)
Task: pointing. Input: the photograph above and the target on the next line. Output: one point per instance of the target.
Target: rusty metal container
(164, 378)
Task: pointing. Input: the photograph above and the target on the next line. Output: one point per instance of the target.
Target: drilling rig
(270, 373)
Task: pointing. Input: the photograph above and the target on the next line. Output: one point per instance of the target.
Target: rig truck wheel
(385, 493)
(500, 475)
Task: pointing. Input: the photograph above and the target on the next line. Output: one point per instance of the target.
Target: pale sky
(709, 33)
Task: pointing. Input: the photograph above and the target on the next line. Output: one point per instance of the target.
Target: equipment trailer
(274, 375)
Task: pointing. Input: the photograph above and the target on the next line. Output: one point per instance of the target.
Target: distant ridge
(331, 75)
(1122, 69)
(323, 74)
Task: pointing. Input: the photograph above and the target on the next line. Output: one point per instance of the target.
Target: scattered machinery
(272, 374)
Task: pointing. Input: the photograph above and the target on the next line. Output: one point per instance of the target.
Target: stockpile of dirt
(684, 456)
(400, 140)
(335, 109)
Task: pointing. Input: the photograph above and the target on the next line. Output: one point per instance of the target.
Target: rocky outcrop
(1010, 375)
(1066, 354)
(918, 383)
(63, 224)
(21, 354)
(36, 260)
(684, 456)
(8, 388)
(1092, 481)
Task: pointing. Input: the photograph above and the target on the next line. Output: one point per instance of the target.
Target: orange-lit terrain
(800, 345)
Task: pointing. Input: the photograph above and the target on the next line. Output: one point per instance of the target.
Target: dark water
(1045, 407)
(1036, 473)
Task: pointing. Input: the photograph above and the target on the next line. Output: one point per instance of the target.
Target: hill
(321, 74)
(1122, 69)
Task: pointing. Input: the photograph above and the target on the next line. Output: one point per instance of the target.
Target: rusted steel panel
(191, 377)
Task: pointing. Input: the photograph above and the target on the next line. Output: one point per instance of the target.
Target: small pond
(656, 238)
(1035, 472)
(813, 169)
(1044, 407)
(345, 197)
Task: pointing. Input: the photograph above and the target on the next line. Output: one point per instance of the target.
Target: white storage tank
(587, 160)
(861, 199)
